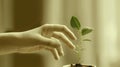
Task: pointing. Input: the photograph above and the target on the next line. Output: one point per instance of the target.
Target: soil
(79, 65)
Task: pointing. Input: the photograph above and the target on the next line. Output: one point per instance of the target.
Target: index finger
(61, 28)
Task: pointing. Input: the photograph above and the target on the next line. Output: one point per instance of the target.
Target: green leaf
(86, 40)
(86, 31)
(75, 22)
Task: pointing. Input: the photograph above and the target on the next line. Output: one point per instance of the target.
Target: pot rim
(84, 65)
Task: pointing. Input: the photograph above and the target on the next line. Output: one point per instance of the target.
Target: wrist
(8, 42)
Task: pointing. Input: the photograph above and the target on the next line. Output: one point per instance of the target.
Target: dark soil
(79, 65)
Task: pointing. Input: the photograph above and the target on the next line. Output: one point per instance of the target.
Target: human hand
(48, 36)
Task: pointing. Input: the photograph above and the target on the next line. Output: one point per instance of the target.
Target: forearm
(17, 42)
(7, 43)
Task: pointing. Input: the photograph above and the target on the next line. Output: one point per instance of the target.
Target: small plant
(82, 31)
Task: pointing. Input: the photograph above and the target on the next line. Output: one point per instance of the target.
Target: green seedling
(83, 31)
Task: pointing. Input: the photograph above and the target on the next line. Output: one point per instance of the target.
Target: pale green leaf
(86, 40)
(86, 31)
(75, 22)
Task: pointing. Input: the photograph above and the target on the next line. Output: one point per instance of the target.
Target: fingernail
(75, 38)
(74, 47)
(62, 53)
(57, 58)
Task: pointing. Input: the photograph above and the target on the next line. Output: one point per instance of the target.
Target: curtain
(102, 15)
(107, 34)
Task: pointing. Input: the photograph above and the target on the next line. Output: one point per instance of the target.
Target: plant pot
(78, 65)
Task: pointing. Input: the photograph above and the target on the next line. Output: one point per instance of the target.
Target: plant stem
(78, 50)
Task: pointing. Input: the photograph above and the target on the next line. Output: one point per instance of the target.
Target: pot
(78, 65)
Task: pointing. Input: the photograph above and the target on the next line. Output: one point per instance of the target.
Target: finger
(63, 38)
(54, 52)
(53, 43)
(60, 51)
(60, 28)
(46, 42)
(58, 46)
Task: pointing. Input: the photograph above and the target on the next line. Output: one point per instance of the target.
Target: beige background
(102, 15)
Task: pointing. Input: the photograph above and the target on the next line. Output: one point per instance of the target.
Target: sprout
(75, 24)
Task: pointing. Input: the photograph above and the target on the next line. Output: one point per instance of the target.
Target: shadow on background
(27, 15)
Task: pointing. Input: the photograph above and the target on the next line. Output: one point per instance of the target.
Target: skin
(47, 36)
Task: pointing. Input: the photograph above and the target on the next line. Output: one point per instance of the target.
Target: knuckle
(61, 34)
(45, 26)
(58, 35)
(63, 26)
(54, 44)
(57, 45)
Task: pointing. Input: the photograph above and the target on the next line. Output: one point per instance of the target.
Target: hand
(48, 36)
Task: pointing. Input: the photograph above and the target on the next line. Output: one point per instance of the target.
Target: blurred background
(102, 15)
